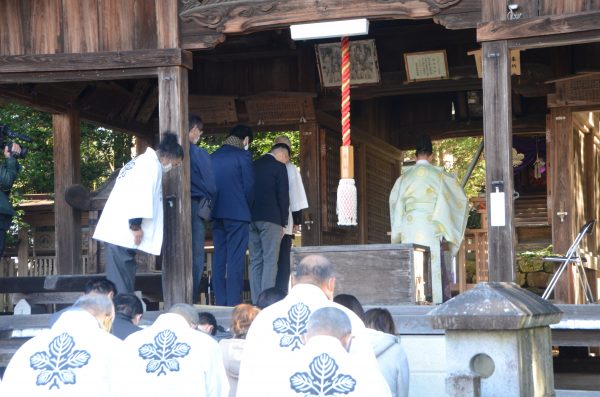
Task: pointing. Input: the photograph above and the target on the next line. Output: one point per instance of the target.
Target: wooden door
(309, 169)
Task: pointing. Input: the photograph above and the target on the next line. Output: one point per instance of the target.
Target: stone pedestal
(500, 333)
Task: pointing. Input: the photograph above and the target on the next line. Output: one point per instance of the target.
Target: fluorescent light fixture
(324, 30)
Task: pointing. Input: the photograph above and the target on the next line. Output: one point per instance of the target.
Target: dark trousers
(120, 267)
(231, 241)
(198, 233)
(446, 263)
(283, 264)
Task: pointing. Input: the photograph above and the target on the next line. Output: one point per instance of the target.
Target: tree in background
(260, 145)
(455, 155)
(102, 150)
(461, 152)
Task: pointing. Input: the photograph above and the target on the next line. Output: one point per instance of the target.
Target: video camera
(6, 136)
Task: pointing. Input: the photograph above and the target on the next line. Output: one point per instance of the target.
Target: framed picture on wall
(364, 66)
(426, 65)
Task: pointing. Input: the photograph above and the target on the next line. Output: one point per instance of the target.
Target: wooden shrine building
(139, 66)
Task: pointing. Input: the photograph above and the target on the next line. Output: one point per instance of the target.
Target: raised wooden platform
(377, 274)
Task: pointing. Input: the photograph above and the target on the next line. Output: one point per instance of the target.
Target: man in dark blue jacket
(232, 166)
(202, 190)
(269, 217)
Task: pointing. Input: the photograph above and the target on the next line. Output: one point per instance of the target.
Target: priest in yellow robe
(428, 206)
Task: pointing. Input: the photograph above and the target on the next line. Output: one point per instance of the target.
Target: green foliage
(102, 150)
(260, 145)
(462, 151)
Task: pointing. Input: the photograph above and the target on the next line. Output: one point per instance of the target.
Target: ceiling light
(323, 30)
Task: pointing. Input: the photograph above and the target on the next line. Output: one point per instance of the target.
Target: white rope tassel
(346, 203)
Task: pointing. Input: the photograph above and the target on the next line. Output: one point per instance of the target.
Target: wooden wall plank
(80, 26)
(116, 22)
(558, 7)
(11, 28)
(493, 10)
(45, 27)
(177, 252)
(67, 220)
(167, 24)
(497, 121)
(144, 17)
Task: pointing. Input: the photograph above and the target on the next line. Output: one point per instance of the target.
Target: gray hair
(95, 304)
(313, 269)
(329, 321)
(187, 312)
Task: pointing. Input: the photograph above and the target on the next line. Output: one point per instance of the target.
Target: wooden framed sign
(364, 67)
(426, 65)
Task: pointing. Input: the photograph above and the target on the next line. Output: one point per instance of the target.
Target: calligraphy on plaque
(427, 65)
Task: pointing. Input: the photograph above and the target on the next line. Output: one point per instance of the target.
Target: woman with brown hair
(232, 349)
(391, 357)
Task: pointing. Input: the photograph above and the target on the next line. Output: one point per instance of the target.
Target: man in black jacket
(269, 217)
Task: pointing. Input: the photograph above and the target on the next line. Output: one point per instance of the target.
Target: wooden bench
(65, 289)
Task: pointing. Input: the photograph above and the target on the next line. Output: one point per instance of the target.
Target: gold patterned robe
(426, 205)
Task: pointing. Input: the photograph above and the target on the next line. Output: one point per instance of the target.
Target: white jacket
(137, 193)
(275, 337)
(72, 359)
(171, 359)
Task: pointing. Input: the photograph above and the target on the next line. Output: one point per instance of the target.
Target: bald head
(187, 312)
(313, 269)
(99, 306)
(329, 321)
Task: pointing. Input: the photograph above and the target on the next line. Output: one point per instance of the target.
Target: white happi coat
(325, 368)
(74, 358)
(275, 336)
(298, 199)
(171, 359)
(137, 193)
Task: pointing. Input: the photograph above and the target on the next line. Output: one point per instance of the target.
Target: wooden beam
(145, 282)
(47, 104)
(541, 26)
(177, 253)
(80, 75)
(497, 122)
(204, 25)
(67, 159)
(96, 61)
(556, 40)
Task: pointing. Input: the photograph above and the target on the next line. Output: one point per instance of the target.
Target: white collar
(423, 162)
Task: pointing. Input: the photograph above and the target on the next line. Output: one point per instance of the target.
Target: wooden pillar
(67, 220)
(177, 245)
(309, 168)
(563, 203)
(497, 129)
(23, 250)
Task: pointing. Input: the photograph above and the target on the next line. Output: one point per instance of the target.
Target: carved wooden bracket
(205, 23)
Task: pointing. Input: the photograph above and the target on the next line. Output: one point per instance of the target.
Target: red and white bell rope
(346, 193)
